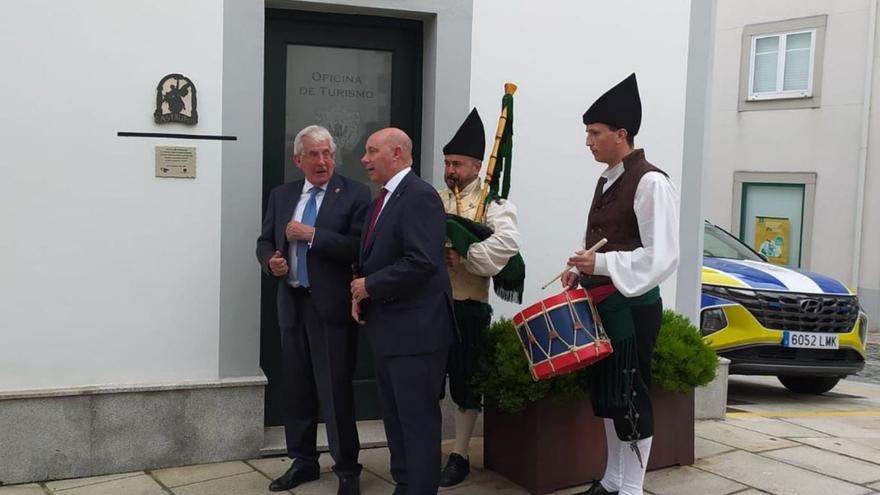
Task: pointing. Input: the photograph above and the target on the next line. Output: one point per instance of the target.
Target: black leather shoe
(596, 489)
(297, 474)
(456, 470)
(349, 485)
(399, 490)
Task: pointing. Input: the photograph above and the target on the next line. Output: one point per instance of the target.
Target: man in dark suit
(404, 300)
(310, 240)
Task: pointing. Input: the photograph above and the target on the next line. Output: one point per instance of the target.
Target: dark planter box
(553, 445)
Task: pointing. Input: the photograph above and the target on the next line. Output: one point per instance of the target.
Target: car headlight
(712, 320)
(863, 328)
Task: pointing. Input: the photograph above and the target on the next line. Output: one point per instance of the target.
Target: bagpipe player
(470, 275)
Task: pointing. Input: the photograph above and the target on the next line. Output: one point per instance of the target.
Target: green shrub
(505, 381)
(682, 361)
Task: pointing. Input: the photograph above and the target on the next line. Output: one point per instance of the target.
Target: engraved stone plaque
(176, 161)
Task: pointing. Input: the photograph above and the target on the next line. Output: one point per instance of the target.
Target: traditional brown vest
(612, 215)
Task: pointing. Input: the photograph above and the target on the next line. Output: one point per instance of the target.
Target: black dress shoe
(349, 485)
(596, 489)
(399, 490)
(297, 474)
(456, 470)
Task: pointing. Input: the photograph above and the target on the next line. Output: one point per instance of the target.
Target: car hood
(766, 276)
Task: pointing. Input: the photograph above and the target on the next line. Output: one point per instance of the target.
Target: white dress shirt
(390, 186)
(297, 217)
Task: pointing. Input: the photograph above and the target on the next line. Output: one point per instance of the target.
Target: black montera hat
(620, 107)
(470, 139)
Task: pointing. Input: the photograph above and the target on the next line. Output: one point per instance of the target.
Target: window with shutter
(782, 65)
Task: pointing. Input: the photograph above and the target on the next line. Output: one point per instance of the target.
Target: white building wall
(823, 140)
(109, 274)
(561, 64)
(113, 276)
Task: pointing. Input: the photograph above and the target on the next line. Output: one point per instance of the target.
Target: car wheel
(809, 384)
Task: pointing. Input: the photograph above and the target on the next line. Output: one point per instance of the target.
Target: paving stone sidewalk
(772, 441)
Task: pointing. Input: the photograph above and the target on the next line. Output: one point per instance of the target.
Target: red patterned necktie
(376, 210)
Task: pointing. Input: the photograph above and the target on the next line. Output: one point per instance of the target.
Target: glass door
(772, 221)
(353, 75)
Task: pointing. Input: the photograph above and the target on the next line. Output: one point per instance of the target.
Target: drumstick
(593, 249)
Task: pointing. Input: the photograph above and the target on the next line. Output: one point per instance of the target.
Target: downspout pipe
(862, 171)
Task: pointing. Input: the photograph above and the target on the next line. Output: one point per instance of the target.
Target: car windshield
(719, 244)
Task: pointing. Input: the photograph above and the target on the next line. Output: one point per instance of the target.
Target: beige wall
(824, 140)
(869, 277)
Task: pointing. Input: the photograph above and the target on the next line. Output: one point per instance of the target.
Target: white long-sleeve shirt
(636, 272)
(487, 257)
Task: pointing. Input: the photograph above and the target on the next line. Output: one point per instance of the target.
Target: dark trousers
(647, 319)
(410, 387)
(465, 355)
(318, 362)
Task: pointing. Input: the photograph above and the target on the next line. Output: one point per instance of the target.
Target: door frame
(807, 180)
(403, 38)
(273, 116)
(446, 66)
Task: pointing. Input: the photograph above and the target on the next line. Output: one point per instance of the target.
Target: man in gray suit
(310, 239)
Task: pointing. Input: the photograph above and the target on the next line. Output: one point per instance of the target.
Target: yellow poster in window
(772, 238)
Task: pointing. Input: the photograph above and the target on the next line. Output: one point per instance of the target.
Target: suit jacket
(334, 248)
(409, 310)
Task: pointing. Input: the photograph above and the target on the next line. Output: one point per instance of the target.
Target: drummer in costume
(634, 207)
(470, 276)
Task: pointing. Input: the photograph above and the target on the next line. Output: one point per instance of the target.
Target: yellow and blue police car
(807, 329)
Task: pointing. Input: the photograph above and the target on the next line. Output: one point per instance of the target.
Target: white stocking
(465, 419)
(613, 476)
(634, 468)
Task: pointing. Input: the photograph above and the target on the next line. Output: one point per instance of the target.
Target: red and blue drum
(561, 334)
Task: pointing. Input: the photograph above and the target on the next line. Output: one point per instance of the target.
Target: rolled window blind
(797, 62)
(766, 63)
